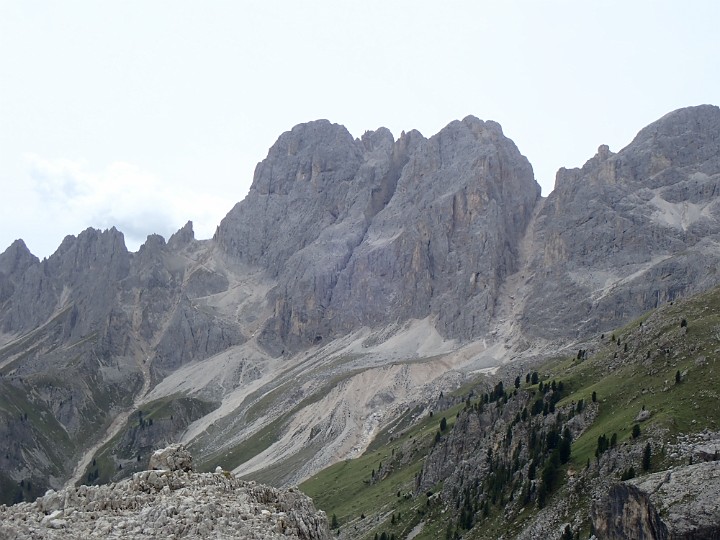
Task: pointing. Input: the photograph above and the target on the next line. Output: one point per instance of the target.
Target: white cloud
(137, 202)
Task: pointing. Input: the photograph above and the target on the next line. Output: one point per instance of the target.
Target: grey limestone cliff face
(13, 263)
(372, 231)
(630, 230)
(679, 504)
(448, 237)
(628, 513)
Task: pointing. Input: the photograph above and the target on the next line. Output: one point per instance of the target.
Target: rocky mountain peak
(326, 211)
(153, 242)
(16, 259)
(316, 152)
(634, 218)
(92, 248)
(683, 122)
(182, 237)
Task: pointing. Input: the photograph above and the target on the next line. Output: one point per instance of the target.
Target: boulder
(173, 458)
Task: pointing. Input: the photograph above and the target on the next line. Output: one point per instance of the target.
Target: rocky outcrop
(446, 240)
(168, 504)
(679, 504)
(686, 498)
(172, 458)
(627, 513)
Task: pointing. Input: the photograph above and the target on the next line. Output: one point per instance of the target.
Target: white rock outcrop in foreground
(168, 504)
(173, 458)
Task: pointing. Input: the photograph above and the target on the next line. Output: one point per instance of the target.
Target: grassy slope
(624, 380)
(105, 462)
(346, 489)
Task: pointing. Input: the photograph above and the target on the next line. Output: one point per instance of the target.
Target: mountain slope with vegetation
(534, 451)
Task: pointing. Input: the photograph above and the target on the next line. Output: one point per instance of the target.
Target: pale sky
(146, 114)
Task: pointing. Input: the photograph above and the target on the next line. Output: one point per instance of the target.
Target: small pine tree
(594, 396)
(628, 474)
(532, 469)
(443, 424)
(636, 431)
(565, 446)
(334, 522)
(517, 381)
(678, 377)
(683, 323)
(534, 379)
(647, 458)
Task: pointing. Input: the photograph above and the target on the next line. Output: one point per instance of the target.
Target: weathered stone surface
(168, 504)
(371, 231)
(677, 504)
(627, 513)
(173, 458)
(687, 499)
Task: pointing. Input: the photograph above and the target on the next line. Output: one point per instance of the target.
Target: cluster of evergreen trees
(529, 471)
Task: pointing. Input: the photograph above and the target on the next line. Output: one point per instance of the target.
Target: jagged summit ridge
(362, 232)
(617, 237)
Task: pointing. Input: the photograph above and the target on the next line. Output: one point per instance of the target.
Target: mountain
(357, 280)
(629, 231)
(373, 231)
